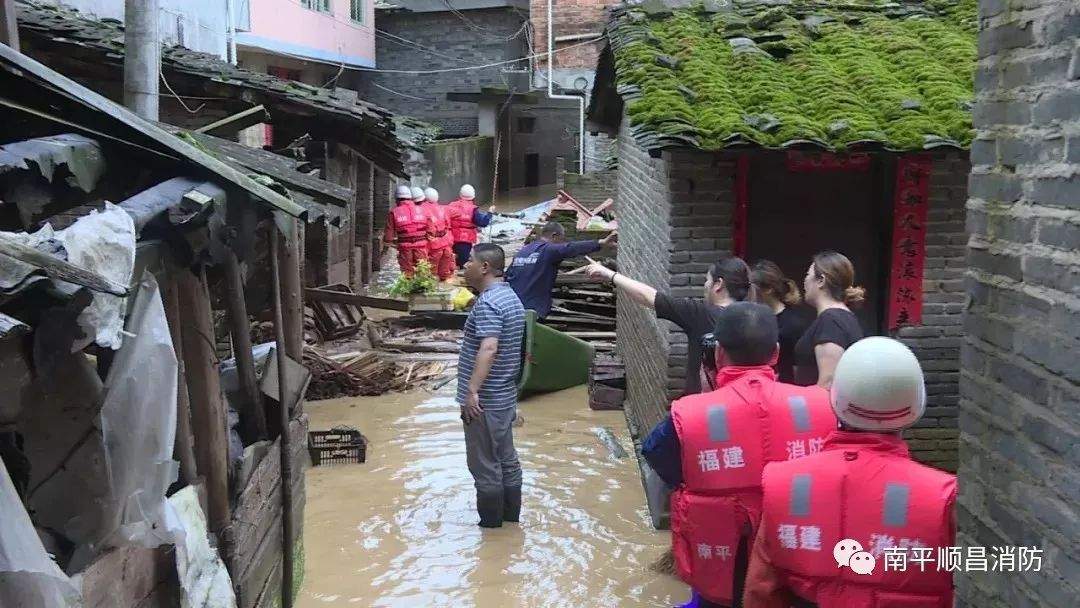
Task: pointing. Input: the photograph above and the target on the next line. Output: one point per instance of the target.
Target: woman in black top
(831, 290)
(781, 294)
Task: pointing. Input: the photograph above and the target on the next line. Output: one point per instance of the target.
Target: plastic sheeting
(28, 576)
(101, 242)
(204, 581)
(138, 423)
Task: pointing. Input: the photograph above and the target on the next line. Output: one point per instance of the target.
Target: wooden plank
(208, 418)
(183, 448)
(57, 268)
(356, 299)
(237, 122)
(132, 576)
(259, 503)
(254, 419)
(586, 335)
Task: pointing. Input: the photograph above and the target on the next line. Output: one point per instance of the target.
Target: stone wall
(937, 340)
(1020, 379)
(643, 253)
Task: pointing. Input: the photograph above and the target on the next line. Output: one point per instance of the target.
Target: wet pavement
(400, 529)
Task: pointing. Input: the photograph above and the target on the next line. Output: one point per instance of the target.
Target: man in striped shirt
(488, 370)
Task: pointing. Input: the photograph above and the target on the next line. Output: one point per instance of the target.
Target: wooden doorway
(793, 214)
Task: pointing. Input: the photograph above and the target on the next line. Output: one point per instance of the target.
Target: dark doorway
(792, 215)
(532, 170)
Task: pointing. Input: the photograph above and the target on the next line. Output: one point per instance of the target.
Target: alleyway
(400, 530)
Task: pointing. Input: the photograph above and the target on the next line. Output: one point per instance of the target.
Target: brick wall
(1020, 379)
(572, 17)
(937, 340)
(701, 188)
(643, 252)
(589, 189)
(676, 216)
(454, 45)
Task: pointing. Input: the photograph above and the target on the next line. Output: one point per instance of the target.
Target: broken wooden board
(324, 295)
(337, 319)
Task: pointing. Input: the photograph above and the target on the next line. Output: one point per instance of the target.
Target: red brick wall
(571, 17)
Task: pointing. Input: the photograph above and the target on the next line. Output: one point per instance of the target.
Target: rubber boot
(490, 507)
(512, 503)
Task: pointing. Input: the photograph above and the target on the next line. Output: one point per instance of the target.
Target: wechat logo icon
(849, 553)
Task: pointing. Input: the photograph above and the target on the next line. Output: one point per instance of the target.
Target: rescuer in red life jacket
(835, 524)
(440, 240)
(465, 217)
(713, 446)
(407, 230)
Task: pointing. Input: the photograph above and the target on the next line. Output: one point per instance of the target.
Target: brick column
(1020, 377)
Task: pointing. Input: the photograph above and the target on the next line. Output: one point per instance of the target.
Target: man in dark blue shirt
(532, 273)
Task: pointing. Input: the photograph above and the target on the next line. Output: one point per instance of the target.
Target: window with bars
(322, 6)
(357, 11)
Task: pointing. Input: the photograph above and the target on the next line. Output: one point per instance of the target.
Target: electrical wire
(405, 95)
(182, 104)
(475, 67)
(482, 29)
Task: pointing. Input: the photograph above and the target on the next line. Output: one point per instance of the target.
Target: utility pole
(142, 57)
(9, 27)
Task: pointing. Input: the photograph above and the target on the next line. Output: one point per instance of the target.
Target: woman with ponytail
(831, 290)
(782, 295)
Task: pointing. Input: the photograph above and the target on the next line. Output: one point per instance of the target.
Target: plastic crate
(340, 445)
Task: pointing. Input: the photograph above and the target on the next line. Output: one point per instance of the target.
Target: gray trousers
(490, 453)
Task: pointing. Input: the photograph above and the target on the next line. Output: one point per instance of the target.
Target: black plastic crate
(339, 445)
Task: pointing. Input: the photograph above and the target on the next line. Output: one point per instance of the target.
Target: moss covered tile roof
(776, 73)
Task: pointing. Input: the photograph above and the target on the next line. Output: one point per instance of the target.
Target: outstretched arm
(638, 291)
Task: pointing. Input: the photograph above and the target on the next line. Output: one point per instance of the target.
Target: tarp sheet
(138, 423)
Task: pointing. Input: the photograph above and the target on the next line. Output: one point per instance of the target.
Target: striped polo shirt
(497, 313)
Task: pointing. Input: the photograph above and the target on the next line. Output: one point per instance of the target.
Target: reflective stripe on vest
(885, 502)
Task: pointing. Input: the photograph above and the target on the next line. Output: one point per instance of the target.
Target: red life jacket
(863, 487)
(410, 225)
(727, 437)
(439, 216)
(461, 221)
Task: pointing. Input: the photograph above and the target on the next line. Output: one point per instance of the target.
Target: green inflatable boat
(552, 360)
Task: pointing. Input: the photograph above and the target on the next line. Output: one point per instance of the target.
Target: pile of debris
(585, 310)
(365, 374)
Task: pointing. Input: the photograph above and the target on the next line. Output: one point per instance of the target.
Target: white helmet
(403, 192)
(431, 194)
(417, 194)
(878, 386)
(467, 192)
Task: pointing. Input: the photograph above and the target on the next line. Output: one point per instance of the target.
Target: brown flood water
(400, 529)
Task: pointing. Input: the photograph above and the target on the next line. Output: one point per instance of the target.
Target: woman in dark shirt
(781, 294)
(831, 290)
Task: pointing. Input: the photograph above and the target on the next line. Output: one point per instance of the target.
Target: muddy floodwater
(400, 530)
